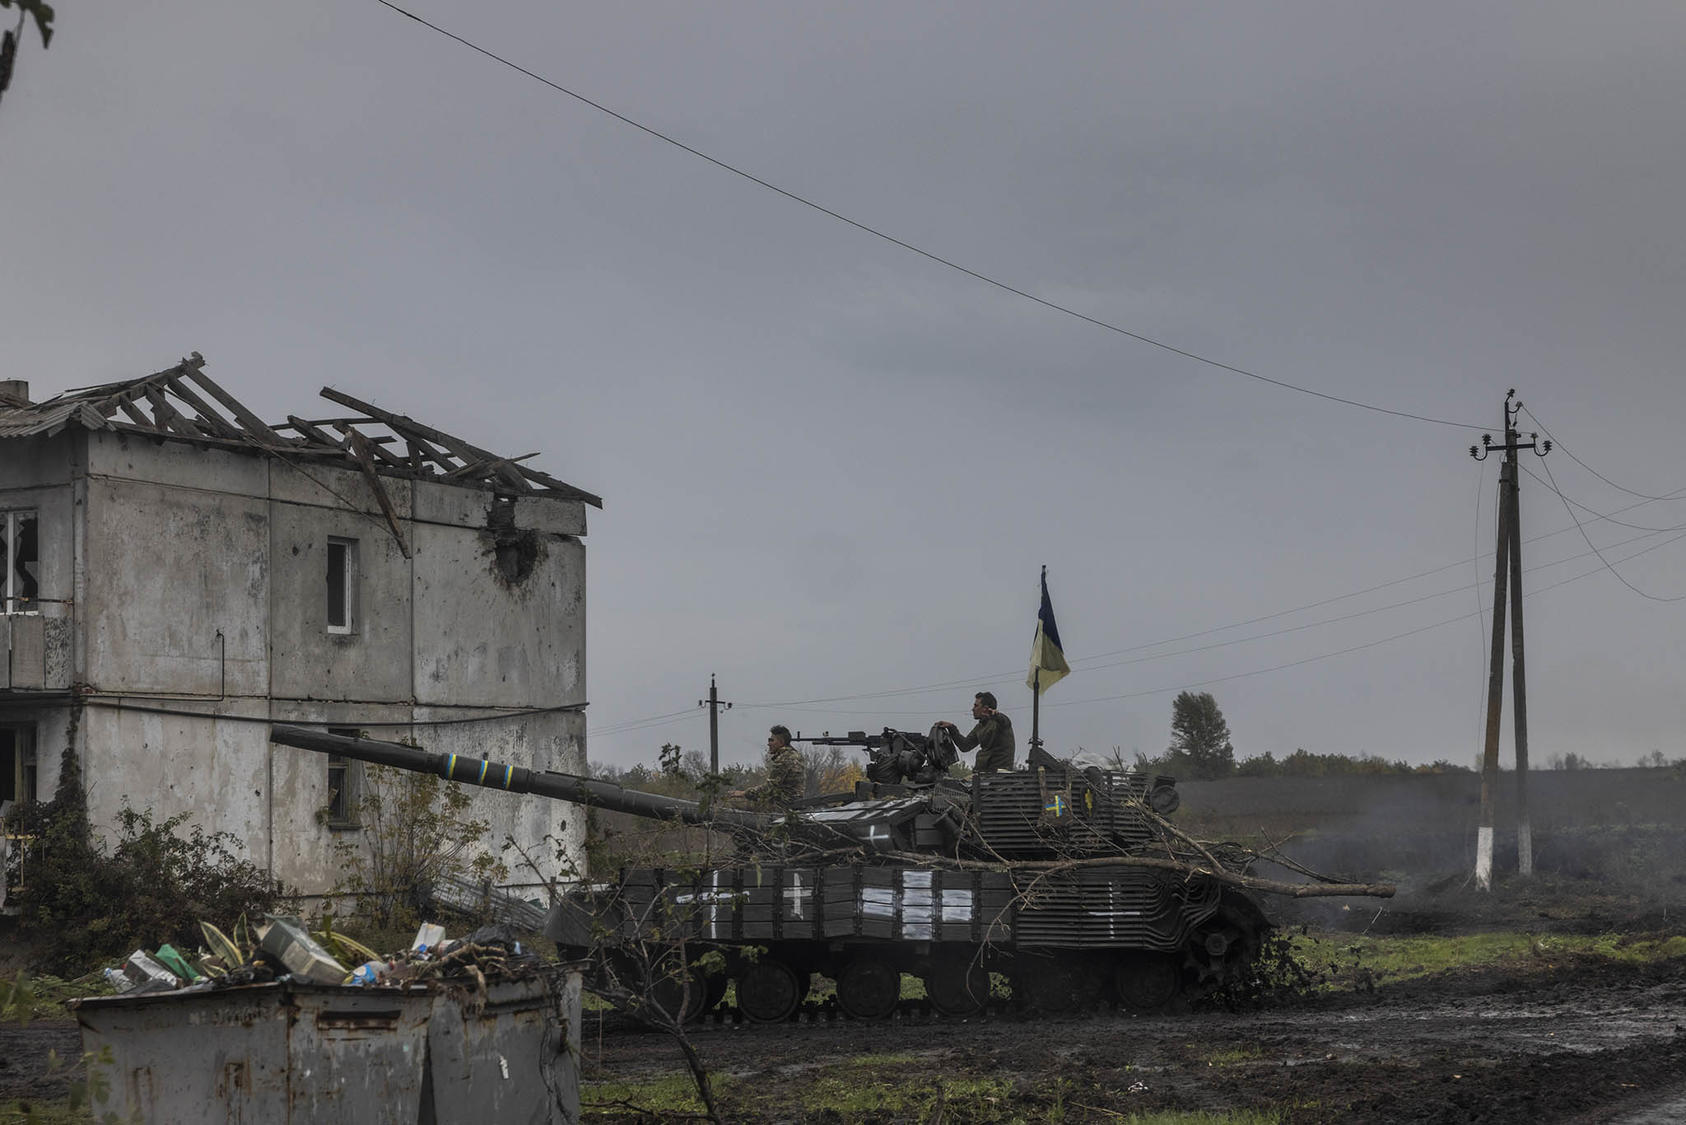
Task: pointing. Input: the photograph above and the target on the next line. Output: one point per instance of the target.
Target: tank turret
(1041, 875)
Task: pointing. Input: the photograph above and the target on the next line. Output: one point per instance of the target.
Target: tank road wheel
(868, 989)
(1146, 982)
(769, 991)
(956, 987)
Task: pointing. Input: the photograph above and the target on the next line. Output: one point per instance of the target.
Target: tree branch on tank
(641, 984)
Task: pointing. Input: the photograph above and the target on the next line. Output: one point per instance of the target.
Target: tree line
(1201, 749)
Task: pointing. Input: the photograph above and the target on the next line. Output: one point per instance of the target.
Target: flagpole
(1036, 712)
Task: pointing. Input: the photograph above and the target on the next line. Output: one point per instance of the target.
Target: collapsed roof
(182, 403)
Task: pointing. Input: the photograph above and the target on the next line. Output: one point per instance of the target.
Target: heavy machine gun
(898, 757)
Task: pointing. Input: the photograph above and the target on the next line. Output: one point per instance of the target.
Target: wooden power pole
(714, 705)
(1507, 571)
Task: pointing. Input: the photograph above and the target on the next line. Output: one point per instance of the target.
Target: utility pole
(714, 705)
(1507, 569)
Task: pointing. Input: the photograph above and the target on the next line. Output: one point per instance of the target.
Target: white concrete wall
(177, 543)
(38, 473)
(373, 661)
(168, 570)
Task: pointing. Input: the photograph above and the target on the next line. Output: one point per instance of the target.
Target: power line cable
(1676, 495)
(1475, 585)
(644, 723)
(1601, 558)
(910, 247)
(1473, 614)
(118, 703)
(1084, 664)
(1591, 511)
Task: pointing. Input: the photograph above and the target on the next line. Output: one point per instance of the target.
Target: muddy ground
(1559, 1038)
(1580, 1041)
(1568, 1041)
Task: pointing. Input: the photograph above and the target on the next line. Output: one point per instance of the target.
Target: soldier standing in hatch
(783, 787)
(993, 736)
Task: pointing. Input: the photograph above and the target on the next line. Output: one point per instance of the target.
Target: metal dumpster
(288, 1054)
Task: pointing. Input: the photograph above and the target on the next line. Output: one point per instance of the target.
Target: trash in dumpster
(222, 947)
(429, 936)
(452, 1030)
(148, 975)
(171, 958)
(286, 950)
(288, 941)
(370, 972)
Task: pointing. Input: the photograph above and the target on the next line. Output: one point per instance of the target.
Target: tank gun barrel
(518, 779)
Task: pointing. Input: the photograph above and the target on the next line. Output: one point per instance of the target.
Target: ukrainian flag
(1045, 655)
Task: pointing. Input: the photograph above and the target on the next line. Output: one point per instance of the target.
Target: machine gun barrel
(853, 738)
(518, 779)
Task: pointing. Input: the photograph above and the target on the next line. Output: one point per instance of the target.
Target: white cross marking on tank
(876, 833)
(793, 895)
(714, 908)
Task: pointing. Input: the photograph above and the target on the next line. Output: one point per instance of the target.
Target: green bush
(81, 905)
(417, 829)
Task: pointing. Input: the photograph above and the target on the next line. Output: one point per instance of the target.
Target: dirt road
(1578, 1042)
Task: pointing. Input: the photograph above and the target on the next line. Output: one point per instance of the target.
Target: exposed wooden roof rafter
(182, 403)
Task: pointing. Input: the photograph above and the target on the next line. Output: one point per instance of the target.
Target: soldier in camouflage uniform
(783, 787)
(993, 736)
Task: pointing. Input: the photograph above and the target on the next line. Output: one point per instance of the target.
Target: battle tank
(1059, 877)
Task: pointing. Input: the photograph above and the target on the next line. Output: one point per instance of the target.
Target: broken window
(17, 764)
(20, 555)
(345, 785)
(342, 585)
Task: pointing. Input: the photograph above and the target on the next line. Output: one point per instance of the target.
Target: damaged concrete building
(179, 574)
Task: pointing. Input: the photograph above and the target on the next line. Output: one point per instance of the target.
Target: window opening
(18, 771)
(17, 786)
(20, 556)
(345, 785)
(342, 585)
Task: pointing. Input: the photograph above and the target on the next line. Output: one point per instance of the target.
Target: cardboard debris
(148, 975)
(289, 942)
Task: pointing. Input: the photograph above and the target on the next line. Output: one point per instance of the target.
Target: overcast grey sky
(831, 469)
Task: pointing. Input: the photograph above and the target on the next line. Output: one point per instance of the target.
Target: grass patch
(669, 1095)
(1234, 1056)
(858, 1090)
(37, 1112)
(25, 997)
(1202, 1117)
(1364, 961)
